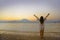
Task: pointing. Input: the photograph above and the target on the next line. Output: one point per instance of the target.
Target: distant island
(27, 21)
(17, 21)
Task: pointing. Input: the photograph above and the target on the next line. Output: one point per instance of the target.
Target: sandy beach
(28, 36)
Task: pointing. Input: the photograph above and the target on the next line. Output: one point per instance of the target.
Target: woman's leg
(41, 34)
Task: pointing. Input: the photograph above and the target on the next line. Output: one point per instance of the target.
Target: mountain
(28, 21)
(16, 21)
(25, 20)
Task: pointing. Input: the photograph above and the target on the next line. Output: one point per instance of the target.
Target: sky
(25, 9)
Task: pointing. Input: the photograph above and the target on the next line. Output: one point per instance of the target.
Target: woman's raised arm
(36, 17)
(46, 16)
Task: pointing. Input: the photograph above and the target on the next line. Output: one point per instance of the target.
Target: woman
(41, 20)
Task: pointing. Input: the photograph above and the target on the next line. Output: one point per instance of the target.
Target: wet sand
(28, 36)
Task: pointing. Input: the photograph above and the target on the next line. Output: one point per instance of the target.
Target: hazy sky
(25, 9)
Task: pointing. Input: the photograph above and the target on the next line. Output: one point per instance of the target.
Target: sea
(30, 27)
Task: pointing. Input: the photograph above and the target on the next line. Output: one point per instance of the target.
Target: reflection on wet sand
(28, 36)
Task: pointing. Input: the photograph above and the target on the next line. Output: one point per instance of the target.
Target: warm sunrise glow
(17, 10)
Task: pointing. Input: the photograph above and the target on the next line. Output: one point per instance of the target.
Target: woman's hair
(41, 20)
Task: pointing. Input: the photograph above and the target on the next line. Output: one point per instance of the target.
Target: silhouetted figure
(41, 20)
